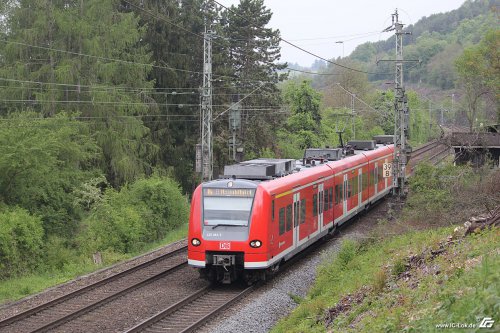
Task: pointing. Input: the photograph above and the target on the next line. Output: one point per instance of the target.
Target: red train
(268, 210)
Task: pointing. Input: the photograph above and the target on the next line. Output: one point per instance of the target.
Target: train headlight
(195, 242)
(256, 243)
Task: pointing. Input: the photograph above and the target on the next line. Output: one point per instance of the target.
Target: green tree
(43, 162)
(490, 50)
(302, 99)
(471, 70)
(254, 55)
(46, 40)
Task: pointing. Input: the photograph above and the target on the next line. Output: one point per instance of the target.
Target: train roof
(275, 175)
(309, 174)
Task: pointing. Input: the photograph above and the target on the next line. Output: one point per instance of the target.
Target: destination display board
(229, 192)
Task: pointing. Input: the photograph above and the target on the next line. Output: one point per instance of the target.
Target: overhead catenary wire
(307, 51)
(339, 36)
(98, 87)
(29, 101)
(128, 62)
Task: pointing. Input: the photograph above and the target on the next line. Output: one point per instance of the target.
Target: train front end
(223, 220)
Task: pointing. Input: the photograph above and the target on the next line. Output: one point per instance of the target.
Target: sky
(317, 25)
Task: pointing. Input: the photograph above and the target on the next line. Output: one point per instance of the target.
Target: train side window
(364, 181)
(315, 204)
(302, 211)
(349, 188)
(380, 174)
(330, 191)
(325, 196)
(354, 185)
(288, 217)
(272, 210)
(320, 199)
(282, 221)
(339, 193)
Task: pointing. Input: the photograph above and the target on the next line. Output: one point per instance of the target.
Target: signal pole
(401, 112)
(206, 109)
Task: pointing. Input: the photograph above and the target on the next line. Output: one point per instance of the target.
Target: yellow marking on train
(283, 194)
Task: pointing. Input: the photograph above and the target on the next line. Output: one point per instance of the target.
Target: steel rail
(92, 306)
(25, 314)
(187, 324)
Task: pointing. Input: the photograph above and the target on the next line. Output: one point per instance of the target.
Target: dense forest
(100, 110)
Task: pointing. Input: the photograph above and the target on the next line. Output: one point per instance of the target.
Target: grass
(460, 285)
(16, 288)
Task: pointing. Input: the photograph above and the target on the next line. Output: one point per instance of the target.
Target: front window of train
(227, 207)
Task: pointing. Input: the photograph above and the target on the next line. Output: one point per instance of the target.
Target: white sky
(334, 20)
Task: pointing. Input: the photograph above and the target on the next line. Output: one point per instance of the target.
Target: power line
(150, 90)
(312, 73)
(340, 36)
(164, 19)
(98, 57)
(29, 101)
(304, 50)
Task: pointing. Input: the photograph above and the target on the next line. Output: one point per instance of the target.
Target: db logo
(225, 245)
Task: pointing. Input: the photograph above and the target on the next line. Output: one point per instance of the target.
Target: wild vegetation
(420, 277)
(99, 115)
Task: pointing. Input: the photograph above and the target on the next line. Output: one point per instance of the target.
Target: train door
(360, 186)
(296, 219)
(344, 205)
(375, 178)
(320, 206)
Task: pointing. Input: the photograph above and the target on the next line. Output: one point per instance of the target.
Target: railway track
(432, 152)
(66, 308)
(191, 309)
(194, 310)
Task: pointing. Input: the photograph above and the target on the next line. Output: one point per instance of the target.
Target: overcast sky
(317, 25)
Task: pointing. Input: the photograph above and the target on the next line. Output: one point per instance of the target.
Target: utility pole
(341, 42)
(234, 126)
(401, 112)
(206, 108)
(430, 116)
(352, 116)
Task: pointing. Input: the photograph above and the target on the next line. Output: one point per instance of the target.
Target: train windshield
(227, 207)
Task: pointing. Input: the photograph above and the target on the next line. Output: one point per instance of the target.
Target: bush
(140, 213)
(42, 163)
(21, 242)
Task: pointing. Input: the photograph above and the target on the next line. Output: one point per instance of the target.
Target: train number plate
(225, 245)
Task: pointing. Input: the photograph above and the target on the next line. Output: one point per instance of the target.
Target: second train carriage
(268, 210)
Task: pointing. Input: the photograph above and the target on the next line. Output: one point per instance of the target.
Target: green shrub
(347, 252)
(21, 242)
(140, 213)
(42, 163)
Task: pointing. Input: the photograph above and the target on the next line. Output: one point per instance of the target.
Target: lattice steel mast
(401, 112)
(206, 108)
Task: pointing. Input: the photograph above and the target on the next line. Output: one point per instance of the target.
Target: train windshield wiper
(226, 225)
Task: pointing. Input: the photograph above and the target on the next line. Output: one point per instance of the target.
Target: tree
(43, 164)
(46, 40)
(254, 53)
(490, 50)
(472, 69)
(303, 99)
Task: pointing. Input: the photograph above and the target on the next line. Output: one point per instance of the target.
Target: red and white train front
(271, 209)
(223, 235)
